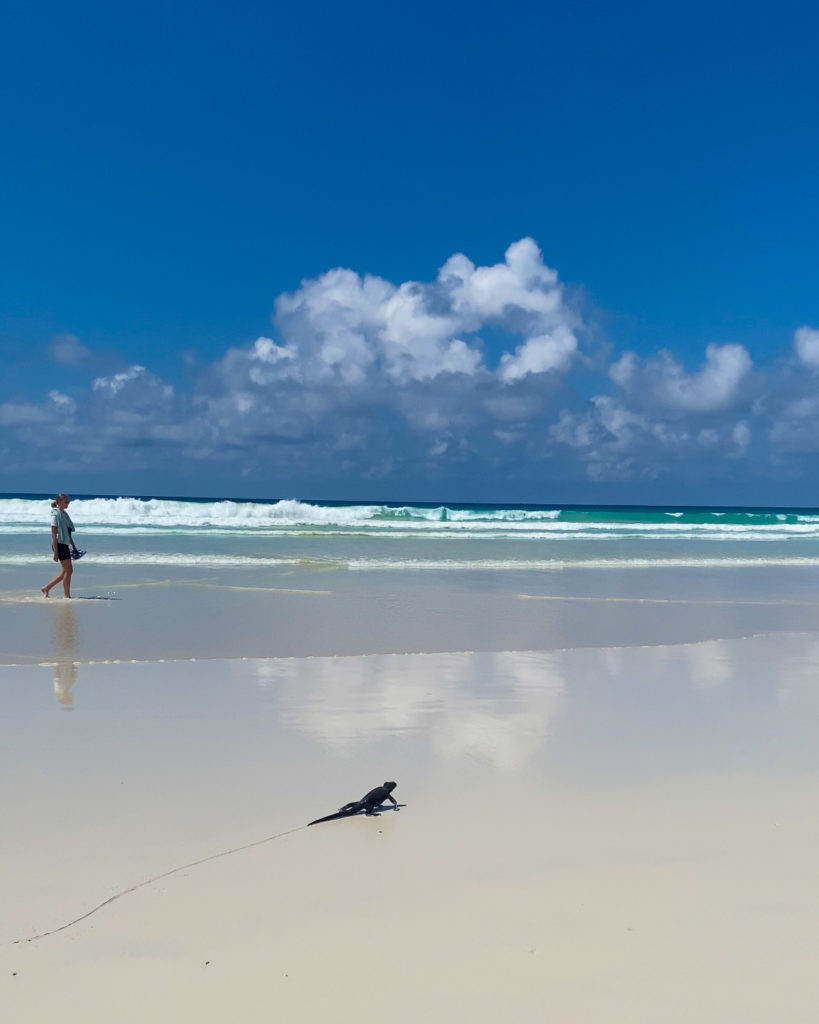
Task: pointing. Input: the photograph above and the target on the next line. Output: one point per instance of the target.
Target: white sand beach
(602, 834)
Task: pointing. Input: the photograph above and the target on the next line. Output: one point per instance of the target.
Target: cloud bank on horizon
(490, 375)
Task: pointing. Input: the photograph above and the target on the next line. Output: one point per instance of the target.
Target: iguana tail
(333, 817)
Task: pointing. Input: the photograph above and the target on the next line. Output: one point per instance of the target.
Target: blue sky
(225, 225)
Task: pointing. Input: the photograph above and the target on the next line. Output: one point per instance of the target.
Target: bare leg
(68, 569)
(53, 583)
(65, 577)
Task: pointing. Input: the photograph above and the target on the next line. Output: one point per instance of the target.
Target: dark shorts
(63, 552)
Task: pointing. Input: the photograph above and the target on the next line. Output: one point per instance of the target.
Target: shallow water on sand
(130, 612)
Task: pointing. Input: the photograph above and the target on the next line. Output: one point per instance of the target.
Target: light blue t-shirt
(62, 520)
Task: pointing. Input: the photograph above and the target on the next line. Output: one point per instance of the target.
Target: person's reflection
(65, 653)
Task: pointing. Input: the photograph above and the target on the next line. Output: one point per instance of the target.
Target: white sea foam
(130, 518)
(212, 561)
(144, 517)
(232, 516)
(545, 565)
(170, 559)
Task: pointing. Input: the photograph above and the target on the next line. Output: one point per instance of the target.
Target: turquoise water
(214, 533)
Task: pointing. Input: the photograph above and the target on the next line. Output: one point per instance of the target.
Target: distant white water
(412, 537)
(145, 516)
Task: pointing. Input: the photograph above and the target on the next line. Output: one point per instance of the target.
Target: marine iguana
(369, 803)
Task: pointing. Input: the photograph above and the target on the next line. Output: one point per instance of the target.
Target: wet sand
(124, 612)
(605, 834)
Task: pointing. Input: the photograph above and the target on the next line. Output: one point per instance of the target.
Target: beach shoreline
(237, 613)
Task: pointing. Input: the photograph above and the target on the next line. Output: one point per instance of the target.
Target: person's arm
(54, 541)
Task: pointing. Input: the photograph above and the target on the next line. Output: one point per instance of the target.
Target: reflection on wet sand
(636, 711)
(65, 635)
(498, 708)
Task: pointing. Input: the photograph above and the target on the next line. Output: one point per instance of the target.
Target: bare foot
(43, 591)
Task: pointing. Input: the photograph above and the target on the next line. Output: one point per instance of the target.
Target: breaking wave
(164, 516)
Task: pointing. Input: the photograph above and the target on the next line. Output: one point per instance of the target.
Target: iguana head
(390, 786)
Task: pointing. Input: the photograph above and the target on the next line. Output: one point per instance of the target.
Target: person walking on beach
(62, 544)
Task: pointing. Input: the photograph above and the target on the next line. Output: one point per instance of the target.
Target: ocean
(182, 577)
(325, 535)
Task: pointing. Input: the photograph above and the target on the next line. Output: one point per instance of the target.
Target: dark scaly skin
(369, 803)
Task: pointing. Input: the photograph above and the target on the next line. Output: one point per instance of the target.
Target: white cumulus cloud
(483, 373)
(66, 348)
(665, 381)
(806, 343)
(540, 354)
(347, 327)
